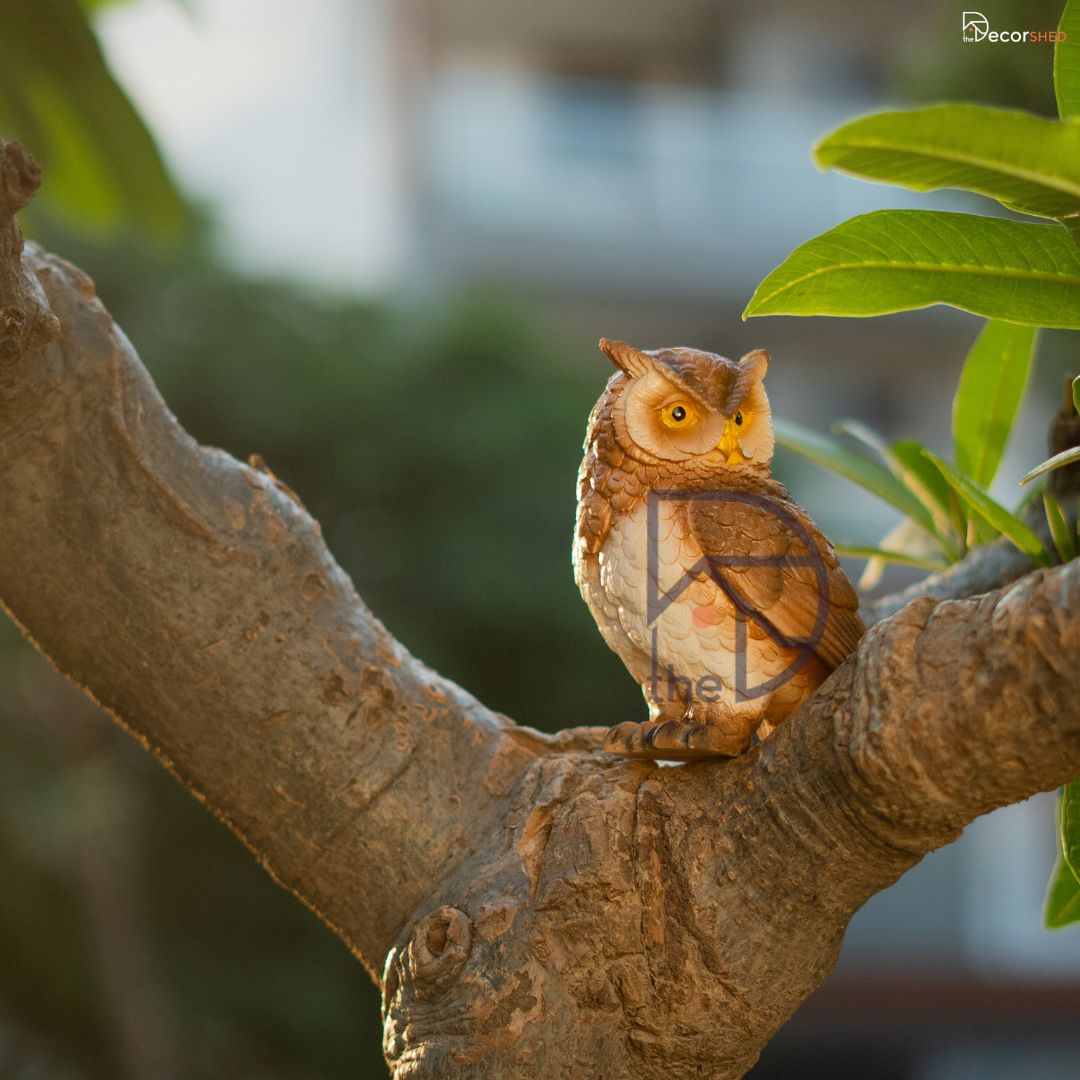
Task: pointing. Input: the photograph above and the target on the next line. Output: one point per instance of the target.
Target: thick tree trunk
(531, 906)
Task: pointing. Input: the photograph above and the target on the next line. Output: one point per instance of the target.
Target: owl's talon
(626, 739)
(672, 740)
(659, 736)
(694, 735)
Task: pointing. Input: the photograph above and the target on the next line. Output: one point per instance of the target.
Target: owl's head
(679, 403)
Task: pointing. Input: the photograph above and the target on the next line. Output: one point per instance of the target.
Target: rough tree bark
(530, 906)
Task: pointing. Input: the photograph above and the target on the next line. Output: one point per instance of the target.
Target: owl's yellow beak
(729, 443)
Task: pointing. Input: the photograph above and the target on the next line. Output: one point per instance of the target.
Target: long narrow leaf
(1066, 457)
(859, 431)
(922, 477)
(904, 459)
(908, 538)
(1023, 161)
(1062, 534)
(1062, 898)
(1067, 83)
(988, 397)
(854, 467)
(858, 552)
(980, 531)
(896, 260)
(1069, 820)
(993, 512)
(1067, 62)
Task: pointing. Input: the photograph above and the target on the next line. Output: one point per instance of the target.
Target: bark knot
(439, 949)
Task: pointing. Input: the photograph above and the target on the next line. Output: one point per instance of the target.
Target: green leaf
(858, 552)
(906, 462)
(896, 260)
(1027, 163)
(1066, 457)
(1062, 898)
(1062, 535)
(1076, 393)
(1069, 818)
(988, 397)
(993, 512)
(921, 476)
(854, 467)
(1067, 62)
(859, 431)
(57, 95)
(980, 531)
(904, 538)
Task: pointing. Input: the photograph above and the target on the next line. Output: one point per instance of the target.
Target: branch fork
(530, 906)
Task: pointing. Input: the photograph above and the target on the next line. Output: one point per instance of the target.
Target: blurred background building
(407, 222)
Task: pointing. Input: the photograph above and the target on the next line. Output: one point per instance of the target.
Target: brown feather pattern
(751, 554)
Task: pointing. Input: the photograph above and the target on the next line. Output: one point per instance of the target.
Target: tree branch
(542, 908)
(194, 599)
(986, 567)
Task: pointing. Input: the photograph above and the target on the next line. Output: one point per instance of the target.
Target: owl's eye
(738, 419)
(678, 414)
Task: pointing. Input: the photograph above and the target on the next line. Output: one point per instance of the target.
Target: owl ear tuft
(752, 368)
(633, 361)
(754, 365)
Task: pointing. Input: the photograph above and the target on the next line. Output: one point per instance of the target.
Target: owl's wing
(775, 564)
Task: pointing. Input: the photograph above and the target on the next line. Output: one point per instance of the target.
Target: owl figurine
(720, 595)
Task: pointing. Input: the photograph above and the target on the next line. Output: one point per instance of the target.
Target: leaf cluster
(1020, 274)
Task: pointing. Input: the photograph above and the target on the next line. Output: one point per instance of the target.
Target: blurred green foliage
(59, 98)
(1018, 78)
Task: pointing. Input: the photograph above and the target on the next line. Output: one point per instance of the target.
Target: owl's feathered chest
(643, 552)
(612, 541)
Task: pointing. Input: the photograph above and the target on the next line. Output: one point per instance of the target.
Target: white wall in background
(279, 115)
